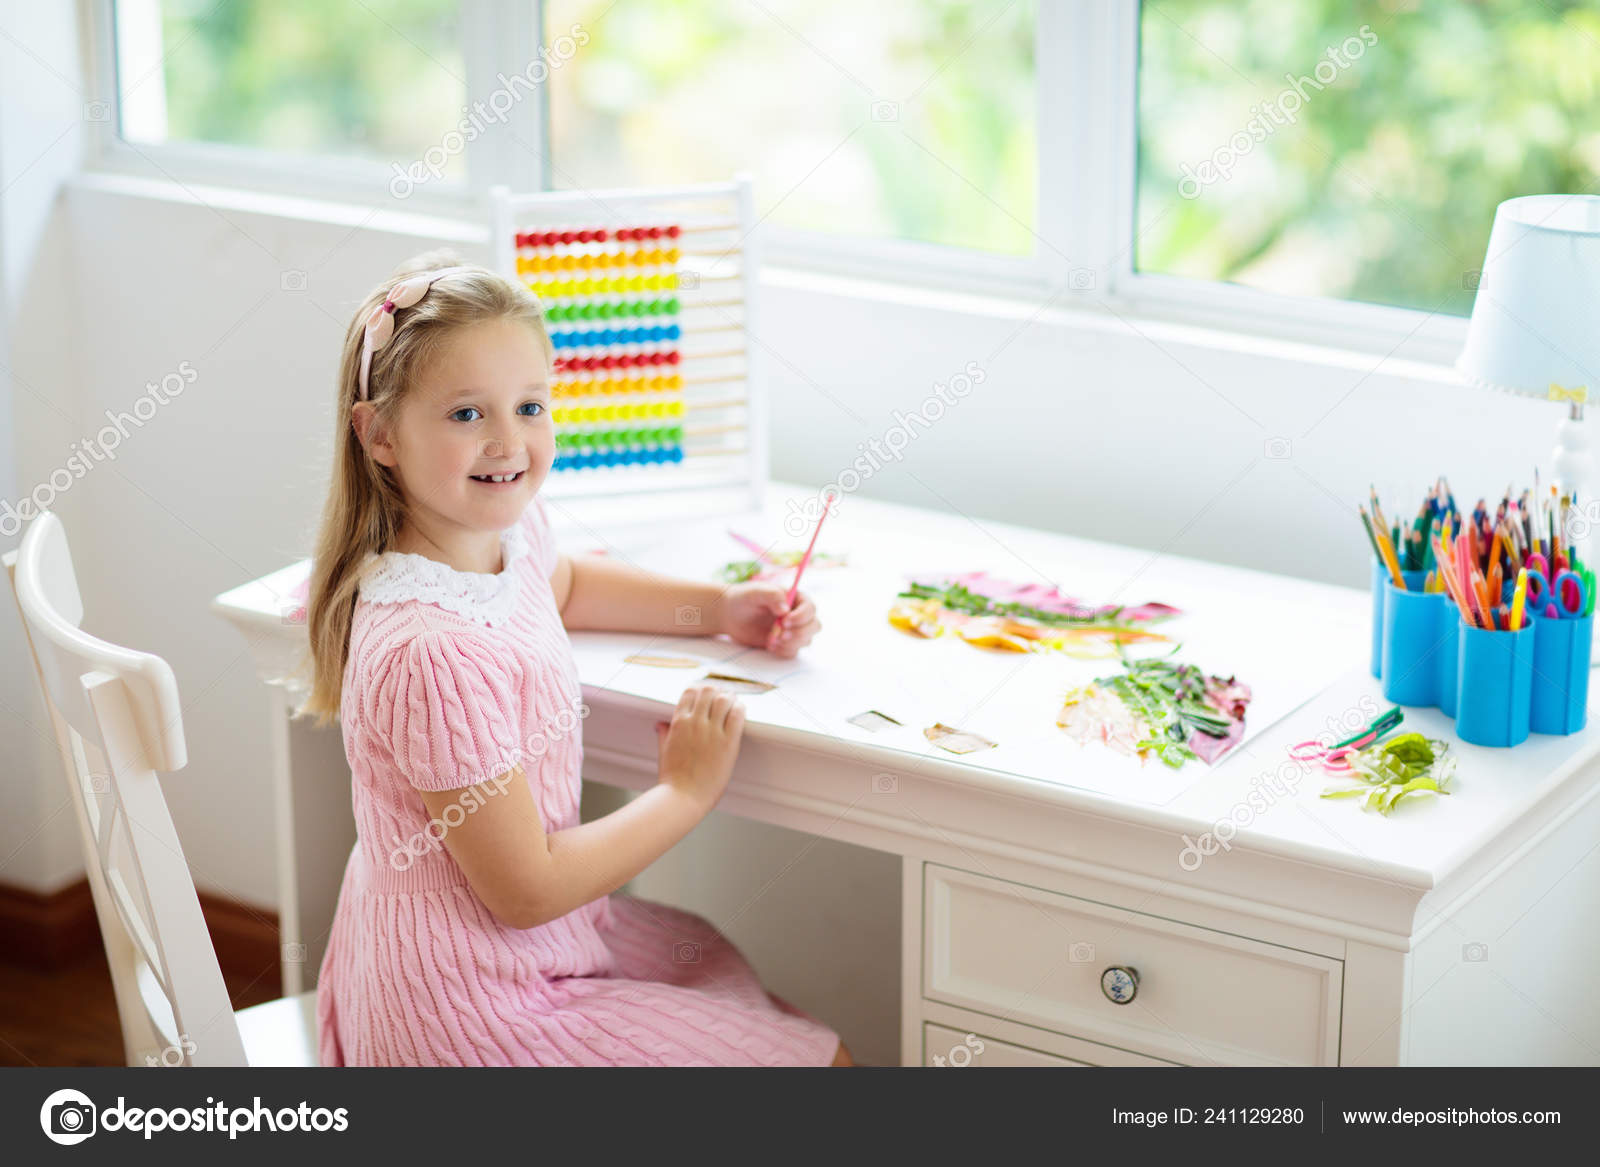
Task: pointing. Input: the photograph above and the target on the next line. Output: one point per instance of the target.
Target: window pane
(380, 80)
(911, 119)
(1355, 148)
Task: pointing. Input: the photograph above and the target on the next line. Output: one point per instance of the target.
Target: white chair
(117, 722)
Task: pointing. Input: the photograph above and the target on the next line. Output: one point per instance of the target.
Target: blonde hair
(365, 505)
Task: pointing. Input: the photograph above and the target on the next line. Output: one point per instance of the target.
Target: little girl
(476, 924)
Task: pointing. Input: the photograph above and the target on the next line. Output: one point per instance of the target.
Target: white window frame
(491, 33)
(1086, 78)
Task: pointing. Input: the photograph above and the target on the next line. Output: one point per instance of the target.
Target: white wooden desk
(1456, 931)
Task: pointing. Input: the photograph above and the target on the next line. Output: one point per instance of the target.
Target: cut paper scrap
(738, 684)
(664, 662)
(771, 564)
(957, 741)
(873, 721)
(1008, 617)
(1159, 707)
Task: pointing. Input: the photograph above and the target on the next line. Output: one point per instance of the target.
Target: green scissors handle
(1380, 726)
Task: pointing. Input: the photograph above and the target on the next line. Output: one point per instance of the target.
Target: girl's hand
(699, 745)
(750, 612)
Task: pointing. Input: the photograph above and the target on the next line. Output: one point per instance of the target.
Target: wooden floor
(68, 1017)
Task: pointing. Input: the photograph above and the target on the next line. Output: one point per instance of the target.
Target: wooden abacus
(649, 298)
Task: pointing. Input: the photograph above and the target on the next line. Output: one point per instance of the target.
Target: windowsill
(1015, 309)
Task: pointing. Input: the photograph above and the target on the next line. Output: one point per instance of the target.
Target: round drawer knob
(1120, 984)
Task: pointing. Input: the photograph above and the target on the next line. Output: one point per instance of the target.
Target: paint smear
(663, 662)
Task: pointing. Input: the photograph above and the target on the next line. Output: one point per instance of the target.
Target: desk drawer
(951, 1047)
(1204, 997)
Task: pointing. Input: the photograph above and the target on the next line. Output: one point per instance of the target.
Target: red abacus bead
(585, 236)
(672, 357)
(654, 232)
(565, 236)
(672, 231)
(600, 235)
(522, 240)
(548, 239)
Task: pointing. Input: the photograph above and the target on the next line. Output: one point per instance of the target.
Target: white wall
(43, 105)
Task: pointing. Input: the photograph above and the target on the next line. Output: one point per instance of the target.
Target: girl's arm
(602, 593)
(527, 877)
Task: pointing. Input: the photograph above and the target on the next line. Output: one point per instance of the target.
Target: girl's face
(479, 413)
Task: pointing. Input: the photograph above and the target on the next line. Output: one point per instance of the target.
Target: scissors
(1542, 592)
(1336, 758)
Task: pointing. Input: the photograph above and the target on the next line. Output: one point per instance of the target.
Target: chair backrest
(118, 721)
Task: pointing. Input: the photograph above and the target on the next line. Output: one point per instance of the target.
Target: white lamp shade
(1536, 319)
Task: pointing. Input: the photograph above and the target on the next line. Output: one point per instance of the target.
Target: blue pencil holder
(1494, 684)
(1446, 656)
(1411, 635)
(1559, 700)
(1380, 585)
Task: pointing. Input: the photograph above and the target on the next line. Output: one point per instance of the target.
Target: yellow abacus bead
(675, 408)
(675, 381)
(609, 413)
(655, 255)
(672, 255)
(672, 281)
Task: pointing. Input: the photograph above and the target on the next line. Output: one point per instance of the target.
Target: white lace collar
(485, 597)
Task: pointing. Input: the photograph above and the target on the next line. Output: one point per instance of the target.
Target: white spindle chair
(118, 721)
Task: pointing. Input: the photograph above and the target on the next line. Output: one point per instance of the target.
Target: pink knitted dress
(452, 676)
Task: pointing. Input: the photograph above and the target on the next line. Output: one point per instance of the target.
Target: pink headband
(380, 325)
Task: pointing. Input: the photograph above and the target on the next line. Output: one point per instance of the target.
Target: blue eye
(538, 407)
(465, 409)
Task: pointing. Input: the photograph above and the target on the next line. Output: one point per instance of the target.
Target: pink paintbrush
(794, 588)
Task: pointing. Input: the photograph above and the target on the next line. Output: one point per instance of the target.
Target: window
(369, 83)
(899, 119)
(1323, 170)
(1356, 149)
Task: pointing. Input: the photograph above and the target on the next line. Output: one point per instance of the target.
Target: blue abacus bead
(677, 454)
